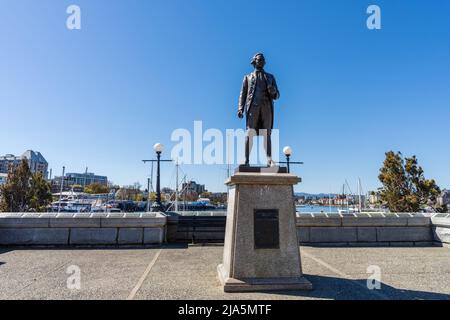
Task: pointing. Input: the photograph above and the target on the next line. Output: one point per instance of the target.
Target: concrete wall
(441, 229)
(321, 229)
(401, 229)
(365, 230)
(82, 229)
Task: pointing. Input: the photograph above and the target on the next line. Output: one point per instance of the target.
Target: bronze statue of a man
(258, 92)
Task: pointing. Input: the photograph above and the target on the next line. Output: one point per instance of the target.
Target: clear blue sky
(102, 96)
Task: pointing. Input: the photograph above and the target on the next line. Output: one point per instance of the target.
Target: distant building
(36, 162)
(343, 200)
(78, 181)
(192, 186)
(85, 179)
(3, 177)
(444, 198)
(8, 160)
(167, 190)
(374, 197)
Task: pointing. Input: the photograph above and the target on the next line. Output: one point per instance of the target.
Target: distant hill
(315, 195)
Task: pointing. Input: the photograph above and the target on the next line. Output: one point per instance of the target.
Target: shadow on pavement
(348, 289)
(3, 250)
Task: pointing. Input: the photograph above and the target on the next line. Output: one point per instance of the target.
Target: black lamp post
(158, 149)
(288, 152)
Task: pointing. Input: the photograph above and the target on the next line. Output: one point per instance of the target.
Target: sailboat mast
(176, 188)
(359, 194)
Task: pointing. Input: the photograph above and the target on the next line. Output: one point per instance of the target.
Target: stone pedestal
(261, 246)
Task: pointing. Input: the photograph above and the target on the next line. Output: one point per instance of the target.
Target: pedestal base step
(254, 169)
(262, 284)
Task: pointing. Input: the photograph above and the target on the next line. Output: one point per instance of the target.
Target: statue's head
(258, 61)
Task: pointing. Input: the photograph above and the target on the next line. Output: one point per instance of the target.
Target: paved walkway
(181, 272)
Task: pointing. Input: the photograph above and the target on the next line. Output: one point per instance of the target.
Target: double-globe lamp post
(158, 149)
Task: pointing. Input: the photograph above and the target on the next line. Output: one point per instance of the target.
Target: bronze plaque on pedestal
(266, 229)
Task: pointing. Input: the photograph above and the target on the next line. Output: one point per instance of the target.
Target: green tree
(40, 195)
(96, 188)
(152, 196)
(405, 188)
(24, 191)
(139, 197)
(16, 190)
(205, 195)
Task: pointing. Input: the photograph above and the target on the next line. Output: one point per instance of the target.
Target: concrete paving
(189, 272)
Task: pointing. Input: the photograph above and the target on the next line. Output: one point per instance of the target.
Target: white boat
(70, 206)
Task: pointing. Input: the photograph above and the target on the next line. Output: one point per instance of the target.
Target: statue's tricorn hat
(255, 56)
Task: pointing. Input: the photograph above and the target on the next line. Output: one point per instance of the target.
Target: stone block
(403, 214)
(153, 235)
(31, 215)
(75, 222)
(363, 221)
(130, 215)
(394, 221)
(309, 221)
(303, 234)
(132, 222)
(442, 222)
(24, 222)
(404, 234)
(34, 236)
(333, 234)
(65, 215)
(441, 234)
(49, 215)
(131, 235)
(116, 215)
(419, 221)
(149, 215)
(367, 234)
(93, 236)
(11, 214)
(99, 214)
(84, 215)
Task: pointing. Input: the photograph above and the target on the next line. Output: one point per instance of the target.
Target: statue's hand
(240, 114)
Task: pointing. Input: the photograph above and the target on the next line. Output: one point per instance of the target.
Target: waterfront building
(85, 179)
(193, 187)
(77, 181)
(36, 162)
(326, 201)
(444, 198)
(374, 197)
(3, 177)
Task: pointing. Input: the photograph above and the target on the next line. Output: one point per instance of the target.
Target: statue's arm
(277, 95)
(243, 95)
